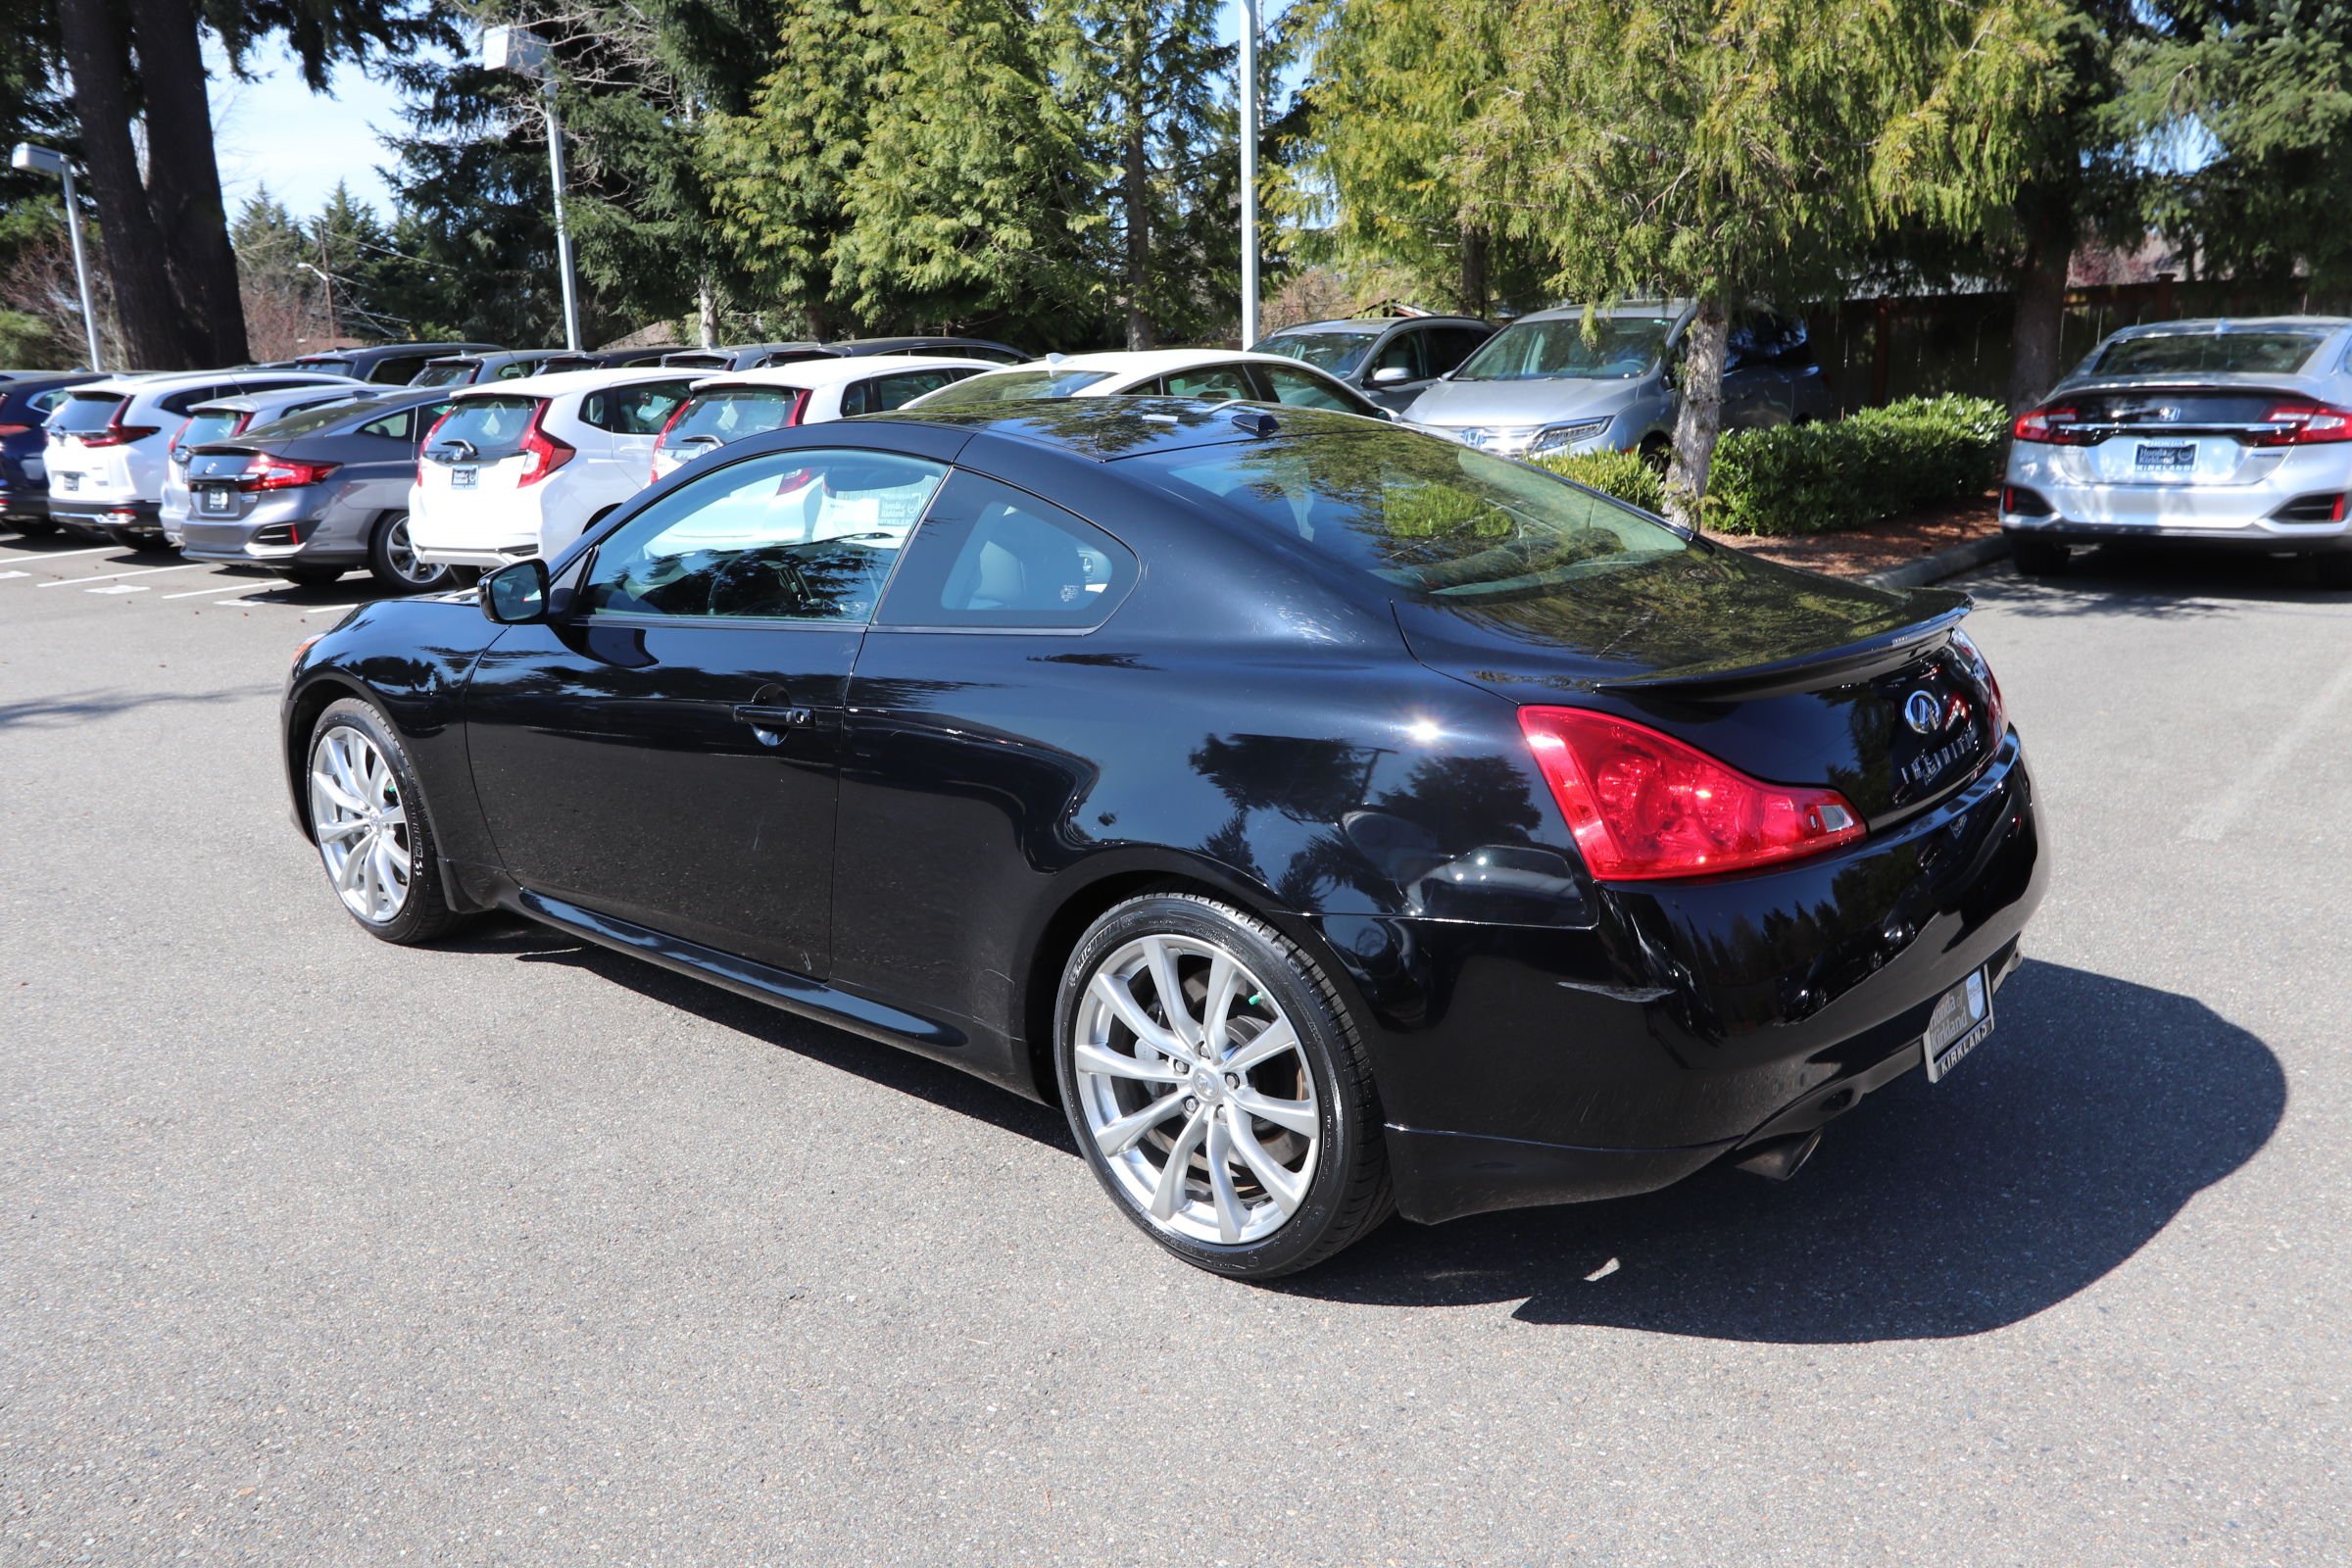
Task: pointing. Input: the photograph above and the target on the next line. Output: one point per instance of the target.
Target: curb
(1942, 563)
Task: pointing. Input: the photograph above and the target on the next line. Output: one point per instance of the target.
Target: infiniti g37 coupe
(1332, 818)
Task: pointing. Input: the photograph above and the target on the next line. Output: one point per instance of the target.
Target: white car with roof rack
(521, 468)
(732, 405)
(109, 444)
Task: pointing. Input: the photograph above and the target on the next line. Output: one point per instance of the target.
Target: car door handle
(760, 716)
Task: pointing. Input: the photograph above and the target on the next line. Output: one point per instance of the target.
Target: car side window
(1304, 389)
(516, 369)
(989, 555)
(45, 403)
(640, 410)
(182, 402)
(396, 369)
(392, 426)
(803, 535)
(883, 393)
(1401, 353)
(1216, 383)
(1449, 346)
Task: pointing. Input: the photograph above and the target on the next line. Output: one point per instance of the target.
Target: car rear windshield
(2266, 352)
(729, 414)
(86, 412)
(1337, 352)
(210, 425)
(1620, 348)
(494, 426)
(321, 417)
(1012, 386)
(1424, 516)
(444, 373)
(326, 366)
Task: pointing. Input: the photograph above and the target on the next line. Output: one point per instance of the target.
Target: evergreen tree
(1724, 149)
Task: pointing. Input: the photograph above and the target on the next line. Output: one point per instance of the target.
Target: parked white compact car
(1215, 374)
(728, 407)
(110, 442)
(222, 418)
(520, 468)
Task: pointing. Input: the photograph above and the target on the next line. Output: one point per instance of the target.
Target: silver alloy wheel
(401, 555)
(360, 823)
(1197, 1090)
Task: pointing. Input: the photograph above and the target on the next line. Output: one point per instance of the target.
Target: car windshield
(86, 412)
(1012, 386)
(444, 373)
(733, 413)
(209, 424)
(493, 425)
(1427, 517)
(1620, 348)
(1336, 352)
(2219, 353)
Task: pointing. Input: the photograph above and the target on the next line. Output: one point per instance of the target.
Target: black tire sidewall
(1314, 1016)
(379, 560)
(426, 912)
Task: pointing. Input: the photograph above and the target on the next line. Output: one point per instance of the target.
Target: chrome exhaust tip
(1779, 1158)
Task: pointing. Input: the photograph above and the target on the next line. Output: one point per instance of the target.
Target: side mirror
(517, 595)
(1391, 375)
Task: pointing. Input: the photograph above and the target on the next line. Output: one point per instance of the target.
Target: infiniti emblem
(1921, 711)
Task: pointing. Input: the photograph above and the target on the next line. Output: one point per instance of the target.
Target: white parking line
(195, 593)
(330, 609)
(68, 555)
(245, 601)
(143, 571)
(119, 588)
(15, 574)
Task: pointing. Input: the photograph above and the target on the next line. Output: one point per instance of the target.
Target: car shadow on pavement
(2094, 1114)
(2140, 580)
(79, 707)
(903, 1071)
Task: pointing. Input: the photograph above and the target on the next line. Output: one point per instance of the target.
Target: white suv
(110, 444)
(523, 468)
(728, 407)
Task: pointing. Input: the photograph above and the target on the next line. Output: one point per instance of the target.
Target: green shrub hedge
(1879, 462)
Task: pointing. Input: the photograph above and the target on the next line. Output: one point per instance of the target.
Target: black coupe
(1332, 818)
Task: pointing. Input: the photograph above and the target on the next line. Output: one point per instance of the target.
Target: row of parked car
(427, 463)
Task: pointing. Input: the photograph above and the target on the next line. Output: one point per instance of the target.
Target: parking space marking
(195, 593)
(141, 572)
(245, 601)
(324, 609)
(15, 574)
(119, 588)
(68, 555)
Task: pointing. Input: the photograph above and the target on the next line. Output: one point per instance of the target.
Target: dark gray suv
(317, 495)
(1390, 359)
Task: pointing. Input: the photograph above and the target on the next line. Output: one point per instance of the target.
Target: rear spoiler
(1839, 665)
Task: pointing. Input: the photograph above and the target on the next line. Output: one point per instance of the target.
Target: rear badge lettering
(1923, 770)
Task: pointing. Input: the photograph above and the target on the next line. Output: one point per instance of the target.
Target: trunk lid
(1790, 677)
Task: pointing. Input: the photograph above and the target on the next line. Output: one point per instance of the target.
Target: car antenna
(1257, 421)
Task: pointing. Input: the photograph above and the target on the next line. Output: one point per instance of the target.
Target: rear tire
(141, 544)
(1657, 451)
(2039, 558)
(1260, 1095)
(364, 805)
(392, 562)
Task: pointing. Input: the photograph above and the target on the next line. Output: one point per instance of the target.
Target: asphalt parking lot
(313, 1251)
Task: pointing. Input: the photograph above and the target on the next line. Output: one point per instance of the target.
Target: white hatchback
(1214, 375)
(109, 445)
(729, 407)
(523, 468)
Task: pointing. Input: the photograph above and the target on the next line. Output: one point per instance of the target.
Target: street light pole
(525, 53)
(1249, 172)
(42, 160)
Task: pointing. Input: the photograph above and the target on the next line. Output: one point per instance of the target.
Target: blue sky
(274, 132)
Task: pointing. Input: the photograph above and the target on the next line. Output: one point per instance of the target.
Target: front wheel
(369, 819)
(1218, 1089)
(392, 560)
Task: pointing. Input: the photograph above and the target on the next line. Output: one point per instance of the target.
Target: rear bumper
(2060, 499)
(2254, 536)
(266, 537)
(97, 519)
(1522, 1065)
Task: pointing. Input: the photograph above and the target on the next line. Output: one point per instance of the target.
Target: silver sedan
(2227, 434)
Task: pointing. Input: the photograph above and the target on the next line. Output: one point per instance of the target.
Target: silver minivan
(1543, 386)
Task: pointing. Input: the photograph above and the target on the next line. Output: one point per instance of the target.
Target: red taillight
(542, 453)
(2052, 425)
(116, 433)
(800, 407)
(2304, 425)
(654, 472)
(179, 456)
(1996, 711)
(1644, 805)
(16, 429)
(265, 473)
